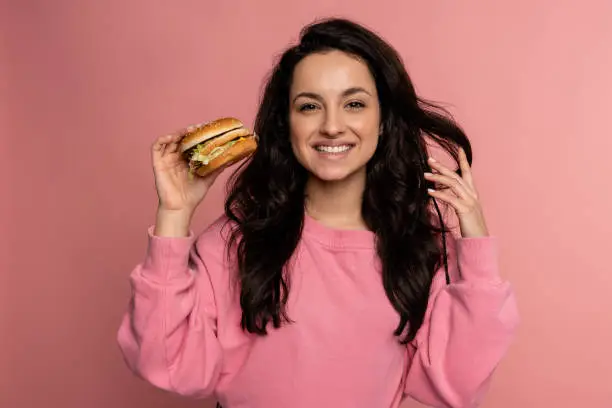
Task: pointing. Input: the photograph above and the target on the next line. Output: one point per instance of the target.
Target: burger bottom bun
(237, 152)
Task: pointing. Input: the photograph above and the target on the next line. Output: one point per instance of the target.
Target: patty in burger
(217, 144)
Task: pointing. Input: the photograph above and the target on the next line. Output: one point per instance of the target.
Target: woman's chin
(334, 174)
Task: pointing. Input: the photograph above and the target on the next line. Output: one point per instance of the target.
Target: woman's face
(334, 115)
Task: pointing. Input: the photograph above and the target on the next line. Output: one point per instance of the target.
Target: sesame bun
(202, 132)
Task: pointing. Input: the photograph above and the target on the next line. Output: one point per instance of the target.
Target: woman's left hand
(461, 195)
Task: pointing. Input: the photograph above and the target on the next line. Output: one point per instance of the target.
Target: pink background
(86, 86)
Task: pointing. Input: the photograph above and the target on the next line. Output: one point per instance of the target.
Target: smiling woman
(329, 281)
(334, 117)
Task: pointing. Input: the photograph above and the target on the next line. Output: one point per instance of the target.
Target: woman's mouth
(334, 150)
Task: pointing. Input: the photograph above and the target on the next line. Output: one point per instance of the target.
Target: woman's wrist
(172, 223)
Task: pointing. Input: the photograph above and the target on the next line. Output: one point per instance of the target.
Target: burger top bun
(200, 133)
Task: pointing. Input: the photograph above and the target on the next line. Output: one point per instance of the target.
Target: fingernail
(431, 159)
(431, 190)
(428, 174)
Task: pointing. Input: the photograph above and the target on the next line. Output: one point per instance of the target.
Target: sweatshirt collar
(338, 238)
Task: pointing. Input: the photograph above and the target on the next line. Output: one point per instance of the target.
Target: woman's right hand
(179, 192)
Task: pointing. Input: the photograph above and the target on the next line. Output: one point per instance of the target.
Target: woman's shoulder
(212, 247)
(217, 233)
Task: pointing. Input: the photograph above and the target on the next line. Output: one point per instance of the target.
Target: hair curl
(267, 193)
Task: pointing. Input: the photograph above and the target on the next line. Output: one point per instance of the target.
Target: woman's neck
(336, 204)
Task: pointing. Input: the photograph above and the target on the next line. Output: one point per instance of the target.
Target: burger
(219, 143)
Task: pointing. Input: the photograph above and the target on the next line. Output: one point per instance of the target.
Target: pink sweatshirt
(182, 332)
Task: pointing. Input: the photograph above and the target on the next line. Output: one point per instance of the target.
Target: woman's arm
(468, 327)
(168, 335)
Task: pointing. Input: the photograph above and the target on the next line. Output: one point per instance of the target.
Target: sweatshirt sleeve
(469, 325)
(168, 336)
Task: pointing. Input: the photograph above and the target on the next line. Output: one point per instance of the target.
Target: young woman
(330, 281)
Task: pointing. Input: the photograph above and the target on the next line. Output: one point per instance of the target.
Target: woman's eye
(307, 107)
(355, 105)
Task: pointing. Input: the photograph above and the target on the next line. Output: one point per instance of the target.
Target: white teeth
(333, 149)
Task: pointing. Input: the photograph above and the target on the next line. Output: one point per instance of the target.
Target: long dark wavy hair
(266, 197)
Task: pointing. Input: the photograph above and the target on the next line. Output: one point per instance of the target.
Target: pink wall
(91, 84)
